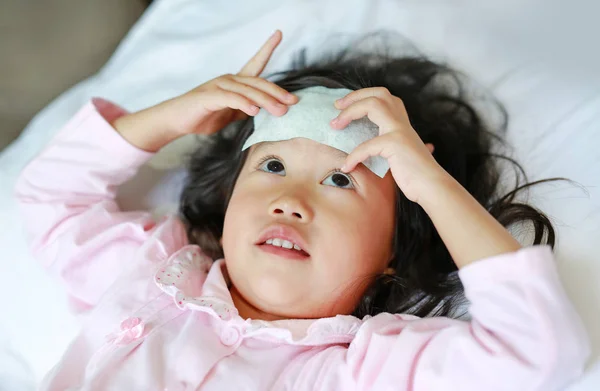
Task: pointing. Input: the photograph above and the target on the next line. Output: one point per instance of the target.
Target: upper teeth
(283, 243)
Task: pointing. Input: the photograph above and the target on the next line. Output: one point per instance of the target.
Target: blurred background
(46, 46)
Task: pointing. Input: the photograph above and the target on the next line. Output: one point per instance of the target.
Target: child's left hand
(410, 160)
(422, 179)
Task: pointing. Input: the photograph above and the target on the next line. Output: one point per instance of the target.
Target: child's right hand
(209, 107)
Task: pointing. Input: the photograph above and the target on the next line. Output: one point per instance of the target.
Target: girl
(325, 276)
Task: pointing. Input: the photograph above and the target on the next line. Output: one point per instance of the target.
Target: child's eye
(271, 164)
(338, 179)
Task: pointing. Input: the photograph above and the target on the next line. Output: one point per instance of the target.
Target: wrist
(468, 230)
(142, 131)
(433, 185)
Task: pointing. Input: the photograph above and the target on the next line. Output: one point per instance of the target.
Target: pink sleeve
(67, 199)
(524, 335)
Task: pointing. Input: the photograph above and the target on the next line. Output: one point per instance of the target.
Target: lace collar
(197, 283)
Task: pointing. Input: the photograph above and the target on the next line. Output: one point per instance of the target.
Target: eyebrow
(339, 155)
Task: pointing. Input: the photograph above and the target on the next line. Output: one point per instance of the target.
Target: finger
(257, 64)
(260, 98)
(371, 107)
(361, 94)
(373, 147)
(270, 88)
(223, 99)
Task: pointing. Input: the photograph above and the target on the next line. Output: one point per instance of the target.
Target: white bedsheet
(537, 58)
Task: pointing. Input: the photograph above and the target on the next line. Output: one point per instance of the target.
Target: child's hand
(422, 179)
(210, 107)
(410, 160)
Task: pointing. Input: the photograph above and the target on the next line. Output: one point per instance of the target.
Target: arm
(67, 199)
(67, 193)
(524, 335)
(468, 230)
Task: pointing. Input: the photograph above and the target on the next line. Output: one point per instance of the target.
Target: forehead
(300, 144)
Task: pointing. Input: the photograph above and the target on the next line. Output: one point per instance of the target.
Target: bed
(537, 58)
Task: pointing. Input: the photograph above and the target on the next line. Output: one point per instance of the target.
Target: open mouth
(284, 248)
(284, 241)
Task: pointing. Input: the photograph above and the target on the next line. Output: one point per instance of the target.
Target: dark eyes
(274, 166)
(336, 178)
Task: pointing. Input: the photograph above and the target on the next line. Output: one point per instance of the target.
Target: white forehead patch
(310, 118)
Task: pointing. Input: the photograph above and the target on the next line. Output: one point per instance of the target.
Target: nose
(291, 207)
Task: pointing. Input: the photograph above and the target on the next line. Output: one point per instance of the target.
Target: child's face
(348, 232)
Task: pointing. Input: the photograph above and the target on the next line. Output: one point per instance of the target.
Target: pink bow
(131, 329)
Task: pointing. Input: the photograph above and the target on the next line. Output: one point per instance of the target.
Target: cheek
(241, 219)
(358, 244)
(354, 251)
(235, 220)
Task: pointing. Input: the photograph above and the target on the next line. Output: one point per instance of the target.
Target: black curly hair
(426, 281)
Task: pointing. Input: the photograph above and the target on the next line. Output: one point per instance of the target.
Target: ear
(221, 242)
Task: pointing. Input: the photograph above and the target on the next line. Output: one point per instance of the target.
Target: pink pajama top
(159, 315)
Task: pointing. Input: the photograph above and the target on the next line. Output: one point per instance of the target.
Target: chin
(274, 292)
(277, 295)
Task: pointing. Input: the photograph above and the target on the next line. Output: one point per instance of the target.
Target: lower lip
(283, 252)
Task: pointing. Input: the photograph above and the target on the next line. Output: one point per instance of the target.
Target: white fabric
(506, 45)
(310, 117)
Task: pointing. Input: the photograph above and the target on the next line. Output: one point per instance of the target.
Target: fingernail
(280, 106)
(335, 121)
(290, 98)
